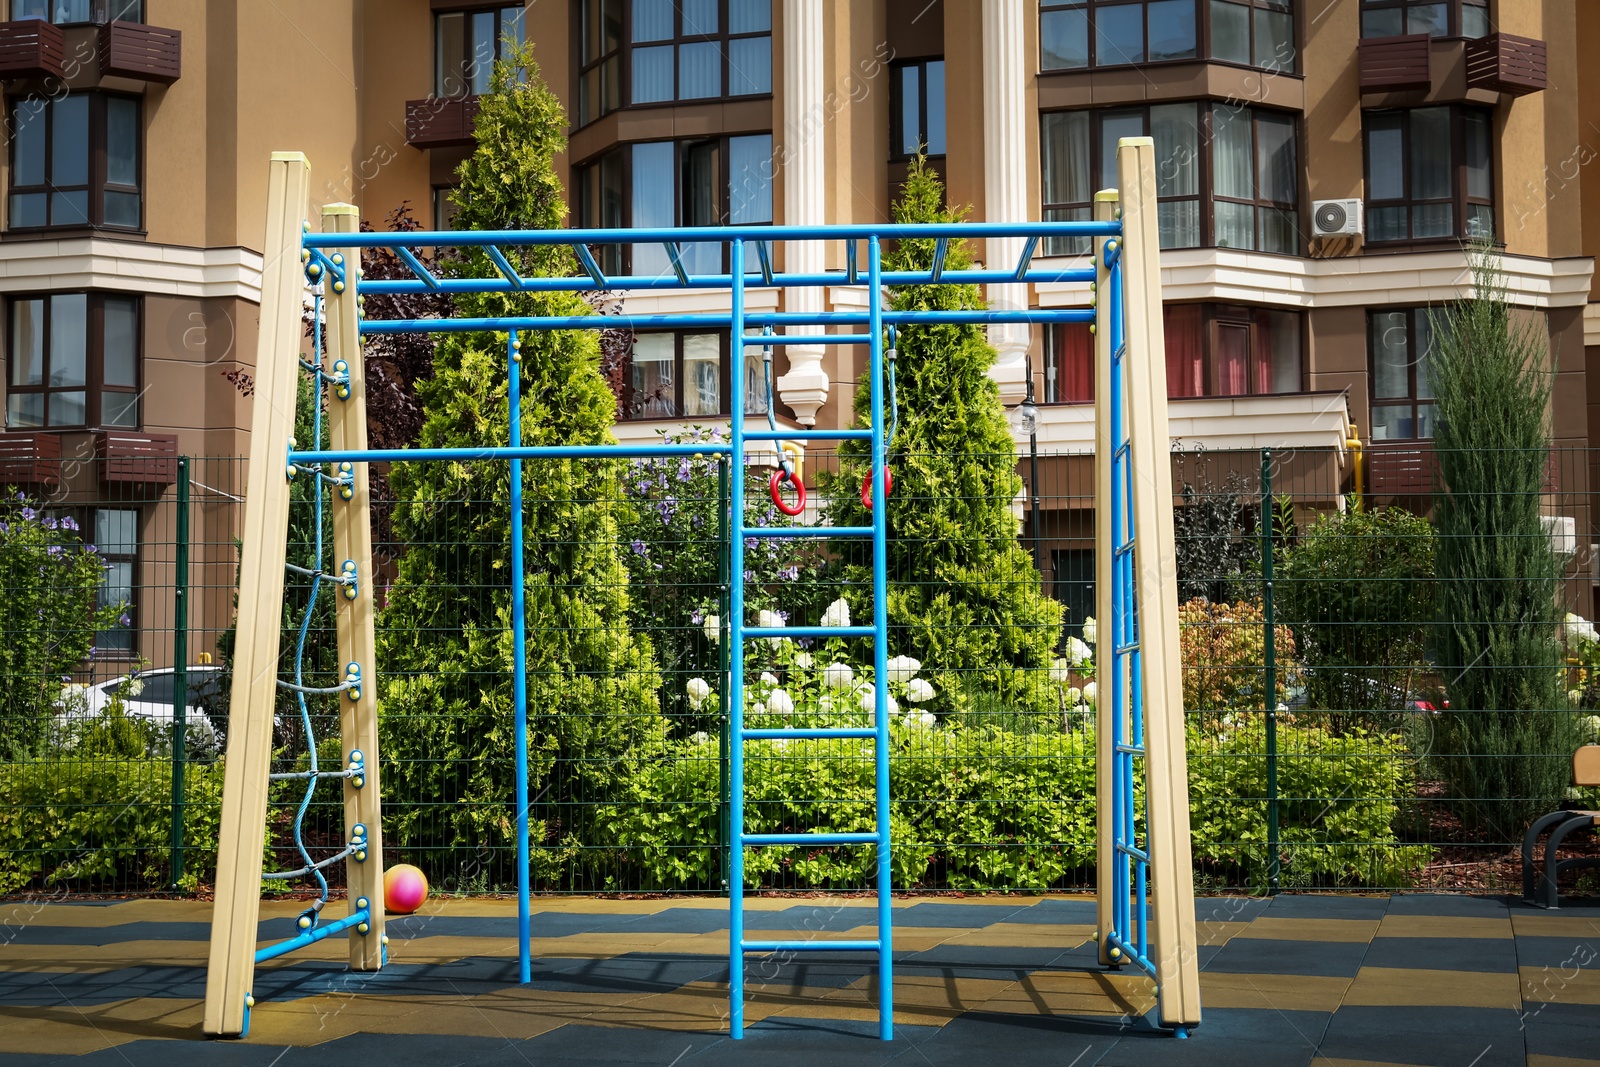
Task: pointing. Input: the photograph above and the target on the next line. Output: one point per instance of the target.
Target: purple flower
(29, 514)
(697, 616)
(123, 620)
(639, 548)
(54, 550)
(789, 574)
(69, 523)
(683, 469)
(90, 548)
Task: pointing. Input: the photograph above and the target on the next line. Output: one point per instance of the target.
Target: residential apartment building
(1423, 122)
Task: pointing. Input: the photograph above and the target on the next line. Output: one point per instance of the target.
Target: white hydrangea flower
(698, 689)
(869, 701)
(769, 619)
(1074, 696)
(759, 708)
(1589, 728)
(918, 691)
(1060, 671)
(768, 678)
(803, 660)
(1580, 630)
(1574, 696)
(903, 668)
(825, 703)
(1090, 691)
(838, 675)
(713, 628)
(700, 737)
(922, 720)
(1078, 653)
(838, 614)
(780, 703)
(1090, 630)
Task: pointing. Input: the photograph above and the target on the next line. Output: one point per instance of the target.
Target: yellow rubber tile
(1340, 930)
(919, 1000)
(1327, 1061)
(1567, 984)
(1090, 993)
(1018, 935)
(87, 959)
(1418, 988)
(1218, 932)
(70, 1031)
(1536, 1060)
(1281, 992)
(1544, 924)
(1443, 926)
(701, 1007)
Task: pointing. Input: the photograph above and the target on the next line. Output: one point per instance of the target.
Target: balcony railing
(30, 460)
(1508, 64)
(1395, 64)
(1411, 468)
(440, 121)
(32, 48)
(145, 53)
(129, 458)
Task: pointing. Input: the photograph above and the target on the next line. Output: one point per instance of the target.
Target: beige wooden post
(1156, 592)
(352, 543)
(241, 835)
(1105, 208)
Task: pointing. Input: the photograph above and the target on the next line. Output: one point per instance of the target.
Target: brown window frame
(467, 61)
(94, 386)
(1204, 52)
(100, 12)
(630, 409)
(1204, 196)
(1460, 200)
(1411, 401)
(98, 164)
(590, 61)
(1454, 11)
(896, 111)
(90, 528)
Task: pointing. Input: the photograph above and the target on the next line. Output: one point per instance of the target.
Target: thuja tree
(446, 648)
(1504, 744)
(964, 595)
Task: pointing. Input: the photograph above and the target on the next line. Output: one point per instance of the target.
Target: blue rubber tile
(1020, 1040)
(1498, 955)
(41, 934)
(803, 918)
(1449, 904)
(1560, 1036)
(1059, 912)
(433, 1049)
(196, 1053)
(1561, 954)
(1327, 906)
(45, 988)
(1230, 909)
(604, 1044)
(1200, 1050)
(1263, 955)
(1559, 1014)
(979, 961)
(675, 921)
(1261, 1024)
(779, 1041)
(1424, 1049)
(1486, 1025)
(960, 916)
(832, 970)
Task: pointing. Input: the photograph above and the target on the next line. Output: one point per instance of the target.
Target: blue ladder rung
(808, 435)
(808, 338)
(809, 733)
(807, 531)
(1124, 649)
(1122, 550)
(807, 631)
(1139, 959)
(811, 946)
(1134, 852)
(808, 839)
(1131, 750)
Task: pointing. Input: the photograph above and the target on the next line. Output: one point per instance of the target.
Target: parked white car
(148, 696)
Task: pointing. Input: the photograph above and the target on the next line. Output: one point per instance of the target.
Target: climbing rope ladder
(1146, 707)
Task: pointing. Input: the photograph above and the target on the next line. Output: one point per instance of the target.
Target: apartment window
(116, 536)
(1212, 350)
(467, 43)
(685, 375)
(72, 12)
(1076, 34)
(723, 181)
(444, 208)
(1400, 344)
(1430, 174)
(1436, 18)
(1225, 176)
(916, 108)
(697, 49)
(74, 361)
(600, 74)
(76, 161)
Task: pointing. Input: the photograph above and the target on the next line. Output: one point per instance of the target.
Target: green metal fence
(1323, 751)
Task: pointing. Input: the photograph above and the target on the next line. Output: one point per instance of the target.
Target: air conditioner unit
(1563, 531)
(1336, 218)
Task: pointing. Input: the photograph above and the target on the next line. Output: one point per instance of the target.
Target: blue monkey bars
(324, 248)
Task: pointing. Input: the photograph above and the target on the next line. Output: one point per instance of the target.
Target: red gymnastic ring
(866, 488)
(778, 478)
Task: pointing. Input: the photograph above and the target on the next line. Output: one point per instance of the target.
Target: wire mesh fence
(1328, 743)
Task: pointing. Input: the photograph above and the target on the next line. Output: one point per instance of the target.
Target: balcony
(440, 121)
(31, 48)
(1395, 64)
(1411, 468)
(30, 460)
(143, 53)
(128, 458)
(1507, 64)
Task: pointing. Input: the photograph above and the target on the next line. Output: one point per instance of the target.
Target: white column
(803, 158)
(1005, 176)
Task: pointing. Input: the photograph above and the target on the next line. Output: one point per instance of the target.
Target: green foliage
(963, 592)
(445, 634)
(1504, 745)
(1215, 549)
(89, 819)
(1224, 655)
(49, 616)
(1358, 591)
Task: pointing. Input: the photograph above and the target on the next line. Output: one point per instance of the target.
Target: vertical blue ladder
(739, 633)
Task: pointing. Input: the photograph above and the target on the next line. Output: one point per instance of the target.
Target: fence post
(180, 672)
(724, 526)
(1270, 661)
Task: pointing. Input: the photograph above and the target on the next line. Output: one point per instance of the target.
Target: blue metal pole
(880, 649)
(634, 283)
(735, 632)
(312, 936)
(718, 321)
(1120, 819)
(519, 665)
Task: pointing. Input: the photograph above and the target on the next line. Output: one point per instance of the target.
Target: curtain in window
(1278, 351)
(1064, 145)
(1175, 128)
(653, 386)
(1232, 359)
(1072, 367)
(702, 374)
(1185, 350)
(702, 197)
(755, 384)
(1233, 174)
(654, 198)
(750, 179)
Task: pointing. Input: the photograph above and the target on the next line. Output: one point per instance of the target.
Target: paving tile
(1564, 954)
(1420, 987)
(1272, 956)
(1536, 923)
(1444, 954)
(1286, 992)
(1327, 906)
(1278, 928)
(1445, 926)
(983, 1037)
(1564, 985)
(1495, 907)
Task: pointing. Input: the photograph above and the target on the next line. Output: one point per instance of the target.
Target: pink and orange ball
(404, 889)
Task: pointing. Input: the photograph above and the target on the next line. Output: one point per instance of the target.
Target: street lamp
(1028, 412)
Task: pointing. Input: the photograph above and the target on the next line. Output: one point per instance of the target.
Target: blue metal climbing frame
(866, 328)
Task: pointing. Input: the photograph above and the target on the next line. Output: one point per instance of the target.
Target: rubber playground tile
(1280, 992)
(817, 918)
(1023, 935)
(1283, 928)
(979, 961)
(961, 916)
(27, 989)
(1561, 1036)
(785, 1041)
(1445, 926)
(1076, 994)
(1197, 1051)
(1217, 934)
(74, 1030)
(1536, 1059)
(80, 958)
(1433, 1048)
(1565, 954)
(1230, 909)
(1564, 923)
(1327, 906)
(983, 1037)
(1050, 911)
(1420, 987)
(1499, 1025)
(1566, 986)
(1255, 955)
(1450, 904)
(156, 1053)
(1498, 955)
(41, 934)
(587, 1042)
